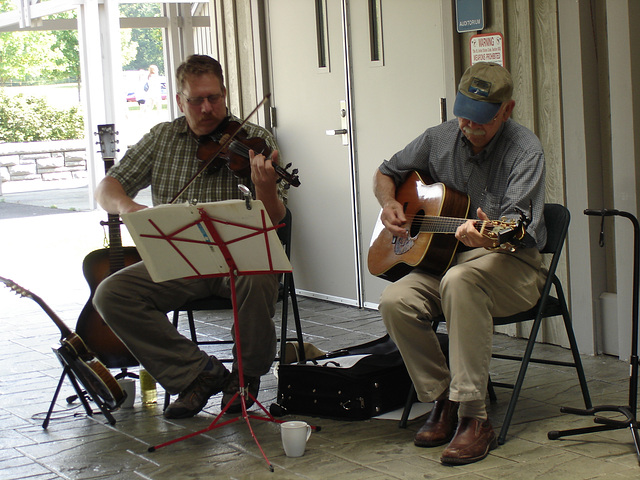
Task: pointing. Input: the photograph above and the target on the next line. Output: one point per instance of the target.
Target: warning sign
(487, 47)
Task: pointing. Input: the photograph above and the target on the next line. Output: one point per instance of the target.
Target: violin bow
(224, 145)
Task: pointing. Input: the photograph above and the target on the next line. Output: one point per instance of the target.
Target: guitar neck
(64, 330)
(116, 252)
(107, 134)
(433, 224)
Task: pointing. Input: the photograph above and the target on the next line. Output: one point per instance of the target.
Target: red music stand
(230, 238)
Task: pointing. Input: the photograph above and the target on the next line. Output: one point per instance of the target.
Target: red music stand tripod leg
(242, 391)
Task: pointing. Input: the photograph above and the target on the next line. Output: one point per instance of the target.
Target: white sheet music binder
(190, 241)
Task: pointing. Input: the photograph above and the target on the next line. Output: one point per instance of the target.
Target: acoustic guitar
(89, 371)
(97, 266)
(431, 209)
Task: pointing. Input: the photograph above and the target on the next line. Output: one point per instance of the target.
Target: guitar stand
(83, 395)
(630, 410)
(124, 373)
(242, 392)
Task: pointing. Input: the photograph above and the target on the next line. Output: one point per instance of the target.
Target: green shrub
(32, 119)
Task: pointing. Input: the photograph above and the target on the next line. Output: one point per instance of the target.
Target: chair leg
(192, 327)
(568, 325)
(411, 398)
(492, 392)
(296, 317)
(289, 291)
(284, 320)
(517, 387)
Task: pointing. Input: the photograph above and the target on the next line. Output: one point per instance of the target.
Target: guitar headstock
(107, 135)
(506, 233)
(17, 289)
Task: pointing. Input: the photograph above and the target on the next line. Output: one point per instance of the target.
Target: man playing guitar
(499, 165)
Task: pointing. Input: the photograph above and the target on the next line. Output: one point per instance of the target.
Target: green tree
(28, 56)
(128, 48)
(148, 40)
(66, 42)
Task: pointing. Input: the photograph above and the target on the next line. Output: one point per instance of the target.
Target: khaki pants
(135, 307)
(479, 286)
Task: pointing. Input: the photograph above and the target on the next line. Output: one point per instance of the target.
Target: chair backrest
(556, 219)
(285, 233)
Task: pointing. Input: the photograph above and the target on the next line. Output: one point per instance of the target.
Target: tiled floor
(43, 253)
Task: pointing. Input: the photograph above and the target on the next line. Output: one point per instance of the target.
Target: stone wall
(53, 160)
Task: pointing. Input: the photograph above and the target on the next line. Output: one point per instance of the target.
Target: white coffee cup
(128, 386)
(294, 437)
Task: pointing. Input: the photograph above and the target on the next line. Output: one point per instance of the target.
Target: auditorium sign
(469, 15)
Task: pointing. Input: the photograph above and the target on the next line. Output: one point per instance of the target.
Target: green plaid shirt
(165, 158)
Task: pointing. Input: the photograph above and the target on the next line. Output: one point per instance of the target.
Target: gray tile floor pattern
(43, 253)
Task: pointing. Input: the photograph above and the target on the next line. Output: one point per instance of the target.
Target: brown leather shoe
(472, 442)
(440, 426)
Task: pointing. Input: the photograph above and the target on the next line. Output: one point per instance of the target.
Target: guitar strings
(437, 224)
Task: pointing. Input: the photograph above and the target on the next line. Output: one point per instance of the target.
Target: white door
(375, 69)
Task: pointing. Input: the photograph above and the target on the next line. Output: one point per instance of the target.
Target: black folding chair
(557, 219)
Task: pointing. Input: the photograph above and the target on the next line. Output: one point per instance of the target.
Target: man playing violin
(133, 305)
(499, 164)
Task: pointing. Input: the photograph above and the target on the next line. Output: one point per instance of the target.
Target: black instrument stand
(83, 395)
(630, 410)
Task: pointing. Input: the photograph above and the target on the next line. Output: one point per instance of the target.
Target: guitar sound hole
(416, 223)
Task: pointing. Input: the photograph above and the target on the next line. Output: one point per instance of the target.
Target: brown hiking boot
(195, 396)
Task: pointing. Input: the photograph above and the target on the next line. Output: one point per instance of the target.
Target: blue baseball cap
(482, 90)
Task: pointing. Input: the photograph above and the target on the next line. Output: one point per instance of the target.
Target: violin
(234, 154)
(238, 155)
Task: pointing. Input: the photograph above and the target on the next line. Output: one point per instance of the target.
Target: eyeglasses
(212, 99)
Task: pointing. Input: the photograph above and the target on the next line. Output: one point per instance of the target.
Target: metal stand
(630, 410)
(242, 392)
(83, 395)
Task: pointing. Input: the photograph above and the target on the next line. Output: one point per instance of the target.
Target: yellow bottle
(148, 390)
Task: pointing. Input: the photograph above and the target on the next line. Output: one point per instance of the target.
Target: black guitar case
(354, 383)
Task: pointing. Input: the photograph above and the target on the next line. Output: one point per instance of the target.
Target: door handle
(344, 123)
(342, 131)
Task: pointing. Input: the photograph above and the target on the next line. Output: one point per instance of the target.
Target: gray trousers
(479, 286)
(135, 307)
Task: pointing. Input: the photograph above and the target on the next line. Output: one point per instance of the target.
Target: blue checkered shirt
(508, 173)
